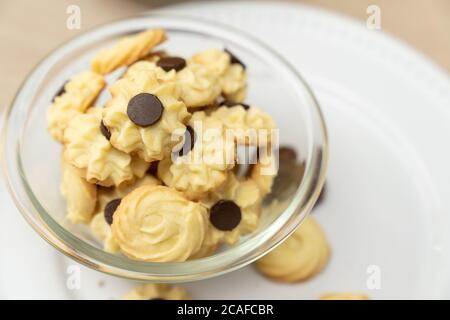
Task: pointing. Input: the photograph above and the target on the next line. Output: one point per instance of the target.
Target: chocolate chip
(110, 208)
(189, 140)
(234, 59)
(170, 63)
(225, 215)
(231, 104)
(60, 92)
(145, 109)
(105, 131)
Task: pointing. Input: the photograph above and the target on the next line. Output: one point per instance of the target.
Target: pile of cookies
(153, 170)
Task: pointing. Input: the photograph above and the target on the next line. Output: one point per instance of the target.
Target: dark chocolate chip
(60, 92)
(105, 131)
(169, 63)
(231, 104)
(189, 140)
(145, 109)
(234, 59)
(110, 208)
(225, 215)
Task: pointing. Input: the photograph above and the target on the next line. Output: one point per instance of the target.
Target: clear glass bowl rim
(229, 260)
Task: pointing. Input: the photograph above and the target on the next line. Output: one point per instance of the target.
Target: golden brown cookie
(87, 148)
(199, 87)
(145, 113)
(157, 291)
(81, 196)
(234, 210)
(204, 162)
(77, 96)
(127, 50)
(108, 200)
(301, 256)
(158, 224)
(230, 72)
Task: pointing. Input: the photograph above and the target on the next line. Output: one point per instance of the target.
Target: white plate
(387, 203)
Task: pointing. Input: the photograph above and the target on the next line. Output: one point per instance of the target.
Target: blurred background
(30, 29)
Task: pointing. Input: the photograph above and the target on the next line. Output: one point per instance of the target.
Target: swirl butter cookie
(87, 147)
(304, 254)
(81, 196)
(108, 201)
(203, 162)
(199, 87)
(145, 112)
(217, 61)
(344, 296)
(157, 291)
(158, 224)
(249, 125)
(76, 97)
(127, 50)
(234, 210)
(229, 70)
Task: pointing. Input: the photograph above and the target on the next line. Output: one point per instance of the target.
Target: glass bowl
(31, 157)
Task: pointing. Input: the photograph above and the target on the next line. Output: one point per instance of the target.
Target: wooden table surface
(29, 29)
